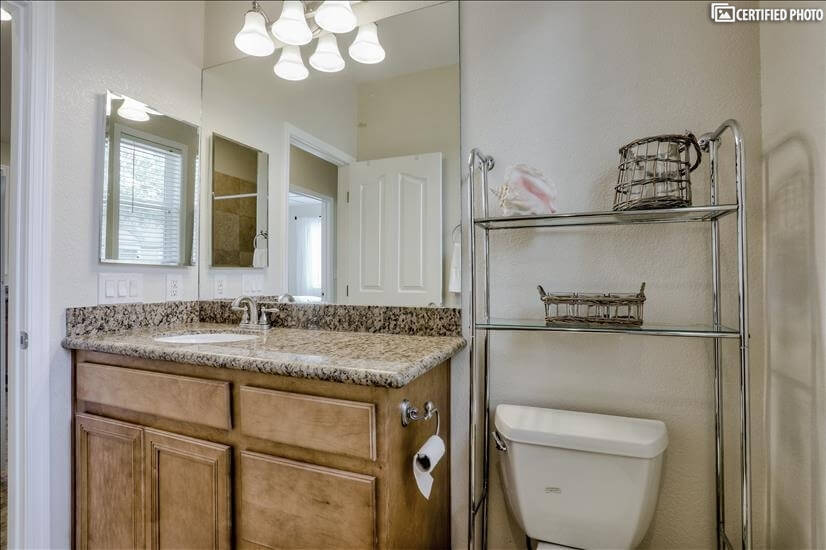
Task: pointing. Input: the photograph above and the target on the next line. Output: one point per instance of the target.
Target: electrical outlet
(174, 286)
(219, 286)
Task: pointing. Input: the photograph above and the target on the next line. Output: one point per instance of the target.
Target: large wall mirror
(150, 185)
(364, 168)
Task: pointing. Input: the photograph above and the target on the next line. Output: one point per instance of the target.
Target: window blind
(150, 197)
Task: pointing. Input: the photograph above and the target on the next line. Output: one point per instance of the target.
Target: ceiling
(435, 31)
(414, 41)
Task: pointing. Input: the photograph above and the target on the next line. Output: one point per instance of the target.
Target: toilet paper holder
(411, 414)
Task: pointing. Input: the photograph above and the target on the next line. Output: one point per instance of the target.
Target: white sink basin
(205, 338)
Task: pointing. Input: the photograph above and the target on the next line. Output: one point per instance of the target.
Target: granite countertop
(369, 359)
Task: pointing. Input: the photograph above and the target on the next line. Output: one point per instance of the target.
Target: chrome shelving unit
(482, 322)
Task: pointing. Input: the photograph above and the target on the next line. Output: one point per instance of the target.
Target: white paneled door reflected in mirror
(150, 185)
(363, 186)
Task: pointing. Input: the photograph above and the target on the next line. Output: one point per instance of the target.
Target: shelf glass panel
(623, 217)
(690, 331)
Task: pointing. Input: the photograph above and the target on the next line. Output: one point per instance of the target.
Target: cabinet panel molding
(185, 398)
(289, 504)
(187, 493)
(319, 423)
(109, 495)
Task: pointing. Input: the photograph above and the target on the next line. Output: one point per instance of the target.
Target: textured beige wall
(793, 74)
(417, 113)
(234, 159)
(570, 84)
(100, 45)
(313, 173)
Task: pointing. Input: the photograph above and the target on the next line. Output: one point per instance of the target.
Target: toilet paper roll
(425, 459)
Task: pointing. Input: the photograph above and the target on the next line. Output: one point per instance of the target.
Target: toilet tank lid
(596, 433)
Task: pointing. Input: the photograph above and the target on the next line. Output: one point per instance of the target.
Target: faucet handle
(262, 317)
(245, 318)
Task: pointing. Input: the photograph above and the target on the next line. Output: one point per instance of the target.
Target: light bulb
(253, 38)
(131, 109)
(291, 28)
(366, 48)
(327, 58)
(335, 16)
(290, 65)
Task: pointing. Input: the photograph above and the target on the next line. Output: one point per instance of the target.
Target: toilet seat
(550, 546)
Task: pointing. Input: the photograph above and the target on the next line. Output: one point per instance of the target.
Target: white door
(391, 241)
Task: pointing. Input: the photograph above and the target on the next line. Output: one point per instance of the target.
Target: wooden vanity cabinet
(137, 487)
(170, 455)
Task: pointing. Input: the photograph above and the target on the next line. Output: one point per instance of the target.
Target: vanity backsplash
(419, 321)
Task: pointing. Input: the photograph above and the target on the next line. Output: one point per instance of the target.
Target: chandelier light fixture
(253, 38)
(290, 66)
(291, 31)
(327, 58)
(366, 48)
(291, 28)
(336, 17)
(132, 109)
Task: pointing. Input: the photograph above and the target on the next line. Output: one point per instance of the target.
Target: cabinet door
(187, 492)
(289, 504)
(109, 483)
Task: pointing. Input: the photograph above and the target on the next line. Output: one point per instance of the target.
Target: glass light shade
(4, 15)
(133, 110)
(291, 28)
(335, 16)
(327, 58)
(253, 38)
(290, 66)
(366, 48)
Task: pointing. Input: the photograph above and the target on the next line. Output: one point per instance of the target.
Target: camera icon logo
(722, 12)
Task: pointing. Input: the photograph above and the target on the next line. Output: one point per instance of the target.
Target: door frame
(29, 488)
(329, 275)
(317, 147)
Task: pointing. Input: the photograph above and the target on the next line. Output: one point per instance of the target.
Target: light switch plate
(174, 287)
(219, 286)
(120, 288)
(252, 284)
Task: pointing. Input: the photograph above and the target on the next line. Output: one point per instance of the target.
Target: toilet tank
(580, 479)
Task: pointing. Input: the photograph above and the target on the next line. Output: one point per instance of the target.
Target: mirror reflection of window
(147, 202)
(148, 206)
(308, 230)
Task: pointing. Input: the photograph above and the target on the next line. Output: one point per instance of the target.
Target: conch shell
(526, 192)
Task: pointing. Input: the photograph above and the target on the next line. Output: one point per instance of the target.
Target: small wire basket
(593, 309)
(654, 172)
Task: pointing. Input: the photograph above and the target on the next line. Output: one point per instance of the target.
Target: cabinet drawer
(289, 504)
(195, 400)
(318, 423)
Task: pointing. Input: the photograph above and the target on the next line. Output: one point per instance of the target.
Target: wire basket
(654, 172)
(593, 309)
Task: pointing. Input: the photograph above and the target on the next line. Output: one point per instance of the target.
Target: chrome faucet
(249, 306)
(253, 317)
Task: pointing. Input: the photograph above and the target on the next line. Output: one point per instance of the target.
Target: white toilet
(580, 479)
